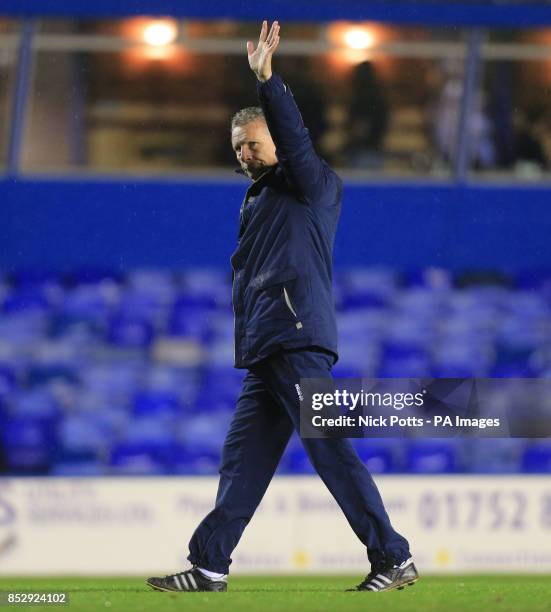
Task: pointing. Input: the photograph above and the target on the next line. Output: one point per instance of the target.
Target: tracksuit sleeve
(294, 148)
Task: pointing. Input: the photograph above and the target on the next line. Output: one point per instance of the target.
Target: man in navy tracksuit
(284, 330)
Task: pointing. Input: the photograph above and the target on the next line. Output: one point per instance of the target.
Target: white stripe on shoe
(383, 577)
(378, 583)
(192, 581)
(177, 582)
(370, 587)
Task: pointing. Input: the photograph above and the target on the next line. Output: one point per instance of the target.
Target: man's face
(254, 148)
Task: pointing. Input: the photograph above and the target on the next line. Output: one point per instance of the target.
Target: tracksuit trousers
(267, 412)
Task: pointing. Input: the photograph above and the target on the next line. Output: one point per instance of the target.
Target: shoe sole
(158, 588)
(397, 587)
(402, 586)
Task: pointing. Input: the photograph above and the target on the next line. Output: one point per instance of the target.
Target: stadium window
(144, 95)
(9, 39)
(117, 100)
(512, 127)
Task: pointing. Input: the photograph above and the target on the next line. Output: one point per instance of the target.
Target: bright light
(160, 33)
(359, 39)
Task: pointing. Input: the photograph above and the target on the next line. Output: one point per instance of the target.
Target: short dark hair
(246, 116)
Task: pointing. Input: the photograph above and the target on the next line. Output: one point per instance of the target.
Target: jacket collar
(271, 170)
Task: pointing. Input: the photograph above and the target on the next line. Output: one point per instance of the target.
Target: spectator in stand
(446, 117)
(529, 149)
(368, 115)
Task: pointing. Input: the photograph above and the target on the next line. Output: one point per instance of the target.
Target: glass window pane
(387, 121)
(8, 55)
(510, 127)
(513, 123)
(9, 26)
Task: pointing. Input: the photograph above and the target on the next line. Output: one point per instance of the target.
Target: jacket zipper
(290, 307)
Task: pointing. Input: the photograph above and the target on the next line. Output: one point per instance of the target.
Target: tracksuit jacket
(282, 267)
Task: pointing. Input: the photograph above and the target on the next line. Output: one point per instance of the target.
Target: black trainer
(393, 577)
(191, 580)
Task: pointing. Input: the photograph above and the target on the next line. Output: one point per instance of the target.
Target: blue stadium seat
(436, 279)
(381, 278)
(512, 370)
(361, 322)
(81, 468)
(412, 330)
(463, 359)
(92, 303)
(195, 461)
(432, 457)
(27, 299)
(37, 402)
(205, 430)
(8, 380)
(421, 303)
(130, 332)
(23, 329)
(222, 384)
(146, 448)
(341, 370)
(493, 455)
(403, 358)
(456, 370)
(29, 443)
(523, 331)
(117, 379)
(367, 289)
(364, 299)
(143, 305)
(403, 349)
(209, 287)
(219, 353)
(359, 358)
(82, 437)
(182, 382)
(112, 419)
(153, 281)
(40, 374)
(222, 325)
(200, 302)
(157, 404)
(379, 456)
(407, 367)
(297, 461)
(144, 458)
(536, 458)
(190, 321)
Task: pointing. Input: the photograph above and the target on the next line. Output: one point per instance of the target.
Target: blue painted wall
(67, 224)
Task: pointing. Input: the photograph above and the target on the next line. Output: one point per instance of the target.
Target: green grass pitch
(300, 593)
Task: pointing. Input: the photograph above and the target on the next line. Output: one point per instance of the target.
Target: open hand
(260, 59)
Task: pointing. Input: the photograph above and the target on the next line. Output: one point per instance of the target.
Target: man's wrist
(263, 78)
